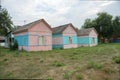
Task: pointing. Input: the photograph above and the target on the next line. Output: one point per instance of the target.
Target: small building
(64, 36)
(9, 39)
(35, 36)
(2, 41)
(116, 38)
(87, 37)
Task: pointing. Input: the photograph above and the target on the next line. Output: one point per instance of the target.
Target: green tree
(116, 25)
(6, 24)
(104, 24)
(87, 24)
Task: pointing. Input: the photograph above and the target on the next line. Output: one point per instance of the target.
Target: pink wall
(24, 48)
(93, 33)
(70, 46)
(69, 31)
(40, 48)
(33, 40)
(57, 40)
(37, 30)
(40, 27)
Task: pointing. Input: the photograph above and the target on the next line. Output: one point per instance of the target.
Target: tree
(116, 25)
(103, 24)
(5, 21)
(89, 23)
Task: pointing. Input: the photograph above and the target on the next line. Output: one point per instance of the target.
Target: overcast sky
(59, 12)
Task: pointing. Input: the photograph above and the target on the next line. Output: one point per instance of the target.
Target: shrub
(58, 64)
(11, 46)
(41, 61)
(108, 70)
(5, 59)
(116, 60)
(94, 65)
(66, 75)
(79, 77)
(14, 46)
(50, 78)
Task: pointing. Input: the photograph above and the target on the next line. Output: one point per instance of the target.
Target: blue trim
(56, 35)
(57, 46)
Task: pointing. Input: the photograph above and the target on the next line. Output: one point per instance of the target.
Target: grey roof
(84, 32)
(24, 27)
(61, 28)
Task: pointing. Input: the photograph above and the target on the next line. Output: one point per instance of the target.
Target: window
(93, 40)
(41, 40)
(70, 40)
(2, 41)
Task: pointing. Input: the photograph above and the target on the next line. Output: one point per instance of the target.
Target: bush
(79, 77)
(14, 46)
(50, 78)
(116, 60)
(108, 70)
(94, 65)
(58, 64)
(66, 75)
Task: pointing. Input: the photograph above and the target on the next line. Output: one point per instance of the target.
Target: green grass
(94, 65)
(60, 64)
(79, 76)
(117, 59)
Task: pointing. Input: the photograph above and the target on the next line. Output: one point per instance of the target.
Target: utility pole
(24, 22)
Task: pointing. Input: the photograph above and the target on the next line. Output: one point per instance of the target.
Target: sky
(58, 12)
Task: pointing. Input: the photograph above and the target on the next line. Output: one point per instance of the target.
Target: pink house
(87, 37)
(64, 36)
(35, 36)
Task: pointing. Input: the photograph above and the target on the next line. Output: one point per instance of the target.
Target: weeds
(116, 60)
(79, 76)
(58, 64)
(41, 61)
(94, 65)
(50, 78)
(108, 70)
(5, 59)
(66, 75)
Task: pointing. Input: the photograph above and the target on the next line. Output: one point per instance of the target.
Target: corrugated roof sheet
(27, 26)
(84, 32)
(24, 27)
(61, 28)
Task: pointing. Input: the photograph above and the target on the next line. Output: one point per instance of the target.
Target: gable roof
(61, 28)
(85, 32)
(29, 25)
